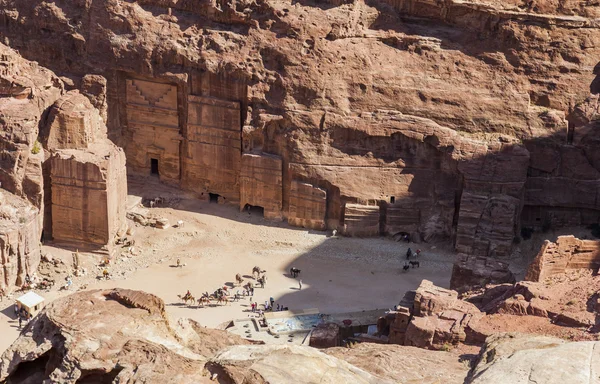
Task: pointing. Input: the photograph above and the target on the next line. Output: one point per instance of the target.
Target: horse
(405, 267)
(239, 279)
(294, 272)
(105, 274)
(256, 270)
(414, 264)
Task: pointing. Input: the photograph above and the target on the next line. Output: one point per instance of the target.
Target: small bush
(446, 347)
(22, 220)
(571, 302)
(37, 147)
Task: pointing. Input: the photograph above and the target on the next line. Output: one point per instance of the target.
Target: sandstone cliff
(443, 119)
(26, 91)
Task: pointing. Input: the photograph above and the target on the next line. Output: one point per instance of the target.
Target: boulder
(402, 364)
(472, 271)
(285, 364)
(512, 358)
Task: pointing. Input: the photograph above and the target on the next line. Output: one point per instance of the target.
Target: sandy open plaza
(339, 274)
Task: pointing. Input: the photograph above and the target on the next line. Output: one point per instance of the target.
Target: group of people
(268, 306)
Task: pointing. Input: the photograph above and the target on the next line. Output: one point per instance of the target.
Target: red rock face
(26, 91)
(567, 254)
(443, 120)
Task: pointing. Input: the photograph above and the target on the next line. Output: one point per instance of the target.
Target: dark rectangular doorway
(154, 166)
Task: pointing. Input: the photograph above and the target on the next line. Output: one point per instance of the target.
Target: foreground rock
(122, 336)
(105, 335)
(520, 359)
(286, 364)
(404, 364)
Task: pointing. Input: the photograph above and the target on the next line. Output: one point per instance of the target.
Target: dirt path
(216, 242)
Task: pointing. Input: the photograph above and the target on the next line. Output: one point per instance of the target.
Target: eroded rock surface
(404, 364)
(26, 91)
(445, 120)
(518, 358)
(109, 335)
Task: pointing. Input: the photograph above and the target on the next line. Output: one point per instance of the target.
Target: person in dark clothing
(408, 253)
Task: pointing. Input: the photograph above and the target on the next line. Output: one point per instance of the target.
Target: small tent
(30, 303)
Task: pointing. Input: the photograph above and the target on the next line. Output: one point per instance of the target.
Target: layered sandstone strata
(460, 121)
(26, 91)
(473, 271)
(568, 253)
(261, 183)
(20, 232)
(308, 206)
(89, 191)
(433, 316)
(88, 179)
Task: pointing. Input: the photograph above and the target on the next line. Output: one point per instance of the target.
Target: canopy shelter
(30, 303)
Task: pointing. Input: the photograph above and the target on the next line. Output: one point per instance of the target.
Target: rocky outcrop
(473, 271)
(449, 147)
(88, 180)
(285, 364)
(108, 335)
(26, 90)
(20, 231)
(566, 254)
(567, 300)
(431, 317)
(122, 335)
(517, 358)
(401, 364)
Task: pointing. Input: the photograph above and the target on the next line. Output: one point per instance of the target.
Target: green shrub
(37, 147)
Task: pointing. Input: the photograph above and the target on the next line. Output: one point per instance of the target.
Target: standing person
(300, 284)
(272, 300)
(408, 253)
(266, 305)
(20, 320)
(252, 306)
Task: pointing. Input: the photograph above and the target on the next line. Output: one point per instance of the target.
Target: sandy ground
(218, 241)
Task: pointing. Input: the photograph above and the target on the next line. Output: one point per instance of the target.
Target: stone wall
(308, 206)
(567, 253)
(261, 183)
